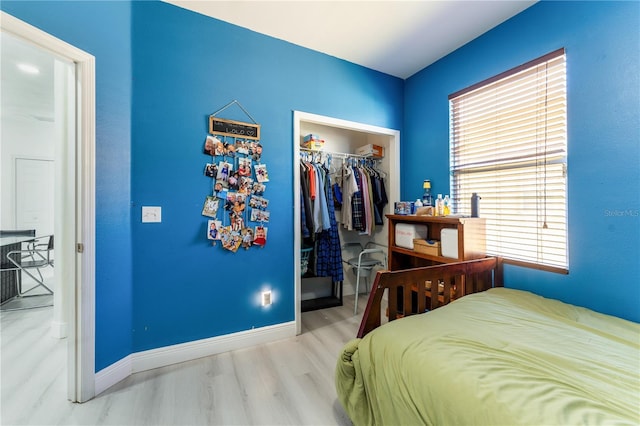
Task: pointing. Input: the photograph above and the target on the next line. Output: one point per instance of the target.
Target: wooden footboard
(452, 280)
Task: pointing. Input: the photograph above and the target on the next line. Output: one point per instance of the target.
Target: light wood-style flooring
(289, 382)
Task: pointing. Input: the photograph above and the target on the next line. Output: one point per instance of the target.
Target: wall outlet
(151, 214)
(266, 298)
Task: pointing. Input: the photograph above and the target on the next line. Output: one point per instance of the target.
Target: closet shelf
(340, 154)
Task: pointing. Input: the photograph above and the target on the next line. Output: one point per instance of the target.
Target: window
(508, 141)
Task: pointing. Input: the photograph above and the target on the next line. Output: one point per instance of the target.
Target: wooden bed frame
(454, 281)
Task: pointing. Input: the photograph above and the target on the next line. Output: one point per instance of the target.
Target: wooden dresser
(471, 240)
(471, 245)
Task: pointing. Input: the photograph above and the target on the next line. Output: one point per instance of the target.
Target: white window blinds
(508, 141)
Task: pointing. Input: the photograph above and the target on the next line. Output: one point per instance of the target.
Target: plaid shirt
(357, 206)
(329, 249)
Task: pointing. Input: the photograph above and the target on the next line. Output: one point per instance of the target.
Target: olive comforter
(499, 357)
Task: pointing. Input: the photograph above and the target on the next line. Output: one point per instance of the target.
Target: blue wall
(103, 30)
(161, 71)
(185, 67)
(602, 43)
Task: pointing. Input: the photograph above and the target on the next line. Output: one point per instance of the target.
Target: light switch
(151, 214)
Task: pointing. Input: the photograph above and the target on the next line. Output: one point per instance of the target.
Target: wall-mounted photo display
(238, 204)
(230, 199)
(210, 208)
(258, 215)
(238, 180)
(242, 147)
(211, 170)
(257, 202)
(213, 229)
(210, 145)
(260, 236)
(247, 237)
(244, 166)
(245, 185)
(234, 180)
(237, 221)
(230, 239)
(258, 188)
(261, 173)
(224, 171)
(219, 147)
(229, 149)
(255, 150)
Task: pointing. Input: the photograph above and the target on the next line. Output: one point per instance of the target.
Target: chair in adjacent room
(364, 263)
(37, 255)
(12, 239)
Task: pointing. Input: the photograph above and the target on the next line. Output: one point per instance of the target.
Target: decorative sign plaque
(238, 129)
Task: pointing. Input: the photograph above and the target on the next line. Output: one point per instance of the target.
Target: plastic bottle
(439, 206)
(447, 205)
(475, 205)
(418, 204)
(427, 198)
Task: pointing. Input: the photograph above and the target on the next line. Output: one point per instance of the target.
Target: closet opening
(317, 288)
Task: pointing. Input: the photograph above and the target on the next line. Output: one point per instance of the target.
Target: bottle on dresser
(447, 206)
(427, 198)
(475, 205)
(439, 206)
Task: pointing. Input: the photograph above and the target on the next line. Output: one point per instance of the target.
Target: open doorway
(60, 110)
(347, 136)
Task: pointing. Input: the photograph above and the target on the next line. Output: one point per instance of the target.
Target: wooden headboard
(454, 280)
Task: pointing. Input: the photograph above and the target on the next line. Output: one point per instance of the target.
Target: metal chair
(364, 263)
(9, 275)
(37, 255)
(304, 259)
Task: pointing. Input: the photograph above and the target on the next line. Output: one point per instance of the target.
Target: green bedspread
(500, 357)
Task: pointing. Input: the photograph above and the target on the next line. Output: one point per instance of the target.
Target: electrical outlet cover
(151, 214)
(266, 298)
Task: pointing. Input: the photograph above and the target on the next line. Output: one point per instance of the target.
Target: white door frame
(394, 181)
(81, 314)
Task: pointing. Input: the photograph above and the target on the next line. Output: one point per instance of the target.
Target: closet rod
(340, 154)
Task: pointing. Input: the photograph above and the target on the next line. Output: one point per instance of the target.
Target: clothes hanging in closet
(378, 195)
(319, 224)
(364, 198)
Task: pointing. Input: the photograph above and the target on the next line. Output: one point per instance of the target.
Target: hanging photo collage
(236, 207)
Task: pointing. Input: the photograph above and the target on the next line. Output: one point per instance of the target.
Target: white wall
(21, 137)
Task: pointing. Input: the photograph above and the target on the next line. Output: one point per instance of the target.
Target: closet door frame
(392, 152)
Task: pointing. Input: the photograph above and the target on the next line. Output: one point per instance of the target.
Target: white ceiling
(25, 95)
(395, 37)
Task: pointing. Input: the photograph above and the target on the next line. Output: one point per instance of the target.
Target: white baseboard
(112, 374)
(161, 357)
(168, 355)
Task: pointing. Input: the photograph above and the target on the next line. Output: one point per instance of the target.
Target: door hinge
(80, 248)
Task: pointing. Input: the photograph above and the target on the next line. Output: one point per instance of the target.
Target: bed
(485, 355)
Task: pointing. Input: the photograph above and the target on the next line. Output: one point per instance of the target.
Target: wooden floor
(289, 382)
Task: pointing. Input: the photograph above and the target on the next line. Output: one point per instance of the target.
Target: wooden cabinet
(471, 240)
(471, 245)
